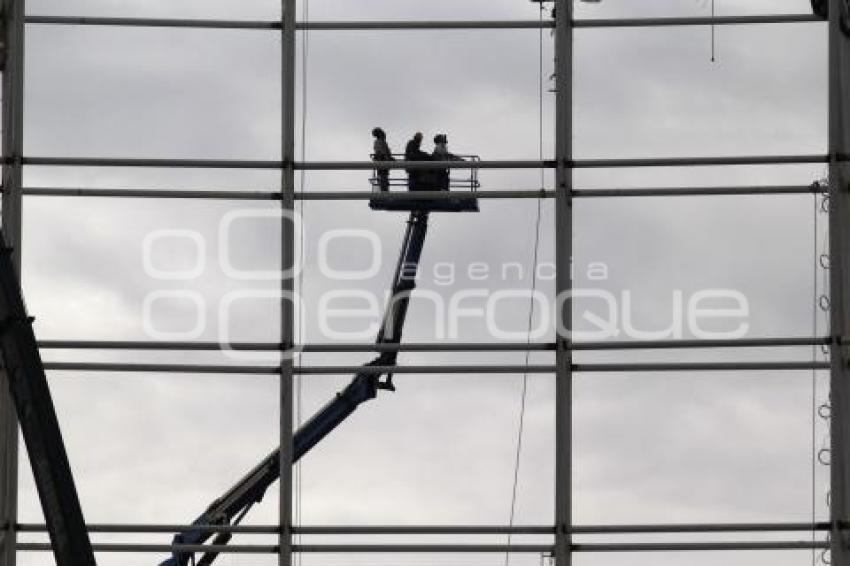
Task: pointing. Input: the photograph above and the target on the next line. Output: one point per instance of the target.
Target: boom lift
(232, 507)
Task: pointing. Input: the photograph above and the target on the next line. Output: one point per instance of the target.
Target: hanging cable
(713, 32)
(825, 409)
(524, 390)
(814, 305)
(821, 304)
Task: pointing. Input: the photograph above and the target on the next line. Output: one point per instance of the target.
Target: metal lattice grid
(562, 530)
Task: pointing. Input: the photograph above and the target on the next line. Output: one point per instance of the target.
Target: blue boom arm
(231, 507)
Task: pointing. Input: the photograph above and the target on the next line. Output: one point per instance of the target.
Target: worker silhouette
(381, 152)
(441, 153)
(821, 9)
(417, 179)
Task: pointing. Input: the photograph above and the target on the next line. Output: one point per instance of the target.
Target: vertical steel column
(287, 310)
(563, 283)
(12, 149)
(839, 238)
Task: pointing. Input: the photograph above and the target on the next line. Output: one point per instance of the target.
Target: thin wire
(823, 409)
(540, 96)
(825, 555)
(815, 261)
(524, 391)
(713, 32)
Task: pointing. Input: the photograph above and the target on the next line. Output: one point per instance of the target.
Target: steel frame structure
(12, 175)
(562, 531)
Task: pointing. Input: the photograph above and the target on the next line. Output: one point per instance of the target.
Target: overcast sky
(647, 447)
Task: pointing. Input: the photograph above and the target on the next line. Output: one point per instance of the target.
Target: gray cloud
(647, 447)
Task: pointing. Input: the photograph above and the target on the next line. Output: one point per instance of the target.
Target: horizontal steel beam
(443, 548)
(307, 530)
(421, 25)
(698, 344)
(436, 347)
(304, 548)
(163, 368)
(275, 25)
(274, 164)
(542, 548)
(151, 22)
(697, 21)
(300, 370)
(700, 366)
(275, 195)
(345, 530)
(426, 25)
(431, 195)
(142, 162)
(579, 24)
(119, 528)
(151, 193)
(576, 164)
(425, 165)
(696, 528)
(161, 548)
(700, 546)
(698, 161)
(699, 191)
(433, 369)
(307, 348)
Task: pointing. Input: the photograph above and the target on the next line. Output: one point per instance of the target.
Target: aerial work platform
(426, 204)
(429, 196)
(428, 192)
